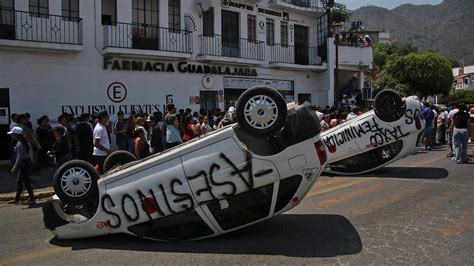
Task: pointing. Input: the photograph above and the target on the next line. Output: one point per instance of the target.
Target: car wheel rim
(261, 112)
(76, 182)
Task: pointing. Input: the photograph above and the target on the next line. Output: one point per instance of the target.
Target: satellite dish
(202, 5)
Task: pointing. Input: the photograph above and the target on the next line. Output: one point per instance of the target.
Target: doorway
(4, 124)
(7, 19)
(301, 45)
(230, 34)
(208, 100)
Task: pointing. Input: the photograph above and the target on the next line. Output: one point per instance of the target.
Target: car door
(156, 202)
(232, 186)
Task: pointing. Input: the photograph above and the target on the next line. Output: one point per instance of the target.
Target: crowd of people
(89, 137)
(355, 41)
(452, 125)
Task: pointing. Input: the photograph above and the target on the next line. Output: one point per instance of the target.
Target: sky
(354, 4)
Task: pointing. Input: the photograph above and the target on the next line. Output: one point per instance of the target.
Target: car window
(180, 226)
(243, 208)
(286, 191)
(368, 160)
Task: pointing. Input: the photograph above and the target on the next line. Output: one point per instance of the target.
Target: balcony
(354, 58)
(295, 58)
(303, 7)
(217, 48)
(28, 31)
(144, 40)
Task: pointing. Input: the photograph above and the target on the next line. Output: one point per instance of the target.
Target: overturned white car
(226, 180)
(376, 138)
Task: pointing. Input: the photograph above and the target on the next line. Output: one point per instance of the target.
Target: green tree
(339, 12)
(424, 73)
(461, 96)
(385, 51)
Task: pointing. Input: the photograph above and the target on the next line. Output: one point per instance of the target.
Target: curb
(39, 194)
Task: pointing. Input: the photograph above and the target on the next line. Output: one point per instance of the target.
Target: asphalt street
(419, 210)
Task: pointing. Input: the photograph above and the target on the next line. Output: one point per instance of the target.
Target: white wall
(42, 82)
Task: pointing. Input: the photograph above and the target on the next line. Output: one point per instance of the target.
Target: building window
(251, 28)
(284, 33)
(109, 12)
(208, 23)
(6, 4)
(39, 8)
(7, 15)
(174, 18)
(70, 10)
(270, 31)
(145, 12)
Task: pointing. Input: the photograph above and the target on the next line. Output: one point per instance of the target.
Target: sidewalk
(42, 189)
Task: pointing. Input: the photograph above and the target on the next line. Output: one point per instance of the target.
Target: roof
(465, 75)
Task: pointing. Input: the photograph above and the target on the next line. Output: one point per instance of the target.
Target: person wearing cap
(101, 140)
(22, 165)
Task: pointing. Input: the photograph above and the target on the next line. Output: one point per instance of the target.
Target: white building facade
(137, 55)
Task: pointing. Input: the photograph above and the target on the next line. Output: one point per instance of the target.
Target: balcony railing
(299, 55)
(147, 37)
(33, 27)
(303, 3)
(217, 45)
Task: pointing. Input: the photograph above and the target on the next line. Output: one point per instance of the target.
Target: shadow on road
(410, 172)
(304, 235)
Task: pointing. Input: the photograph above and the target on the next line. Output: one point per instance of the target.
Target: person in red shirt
(190, 129)
(142, 148)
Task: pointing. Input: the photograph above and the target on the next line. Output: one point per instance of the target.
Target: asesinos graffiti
(377, 134)
(165, 198)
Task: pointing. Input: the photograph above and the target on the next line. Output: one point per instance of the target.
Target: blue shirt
(428, 115)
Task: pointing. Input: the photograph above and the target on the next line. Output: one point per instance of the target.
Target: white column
(361, 79)
(330, 69)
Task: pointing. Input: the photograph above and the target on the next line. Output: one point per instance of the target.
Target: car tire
(118, 158)
(75, 182)
(389, 106)
(261, 111)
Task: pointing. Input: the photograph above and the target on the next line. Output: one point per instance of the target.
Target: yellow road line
(348, 196)
(357, 182)
(34, 255)
(460, 225)
(427, 161)
(350, 184)
(329, 181)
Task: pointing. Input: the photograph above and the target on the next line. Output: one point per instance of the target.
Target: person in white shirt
(319, 114)
(14, 120)
(101, 140)
(450, 132)
(352, 114)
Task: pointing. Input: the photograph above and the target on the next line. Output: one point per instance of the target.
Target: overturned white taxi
(376, 138)
(226, 180)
